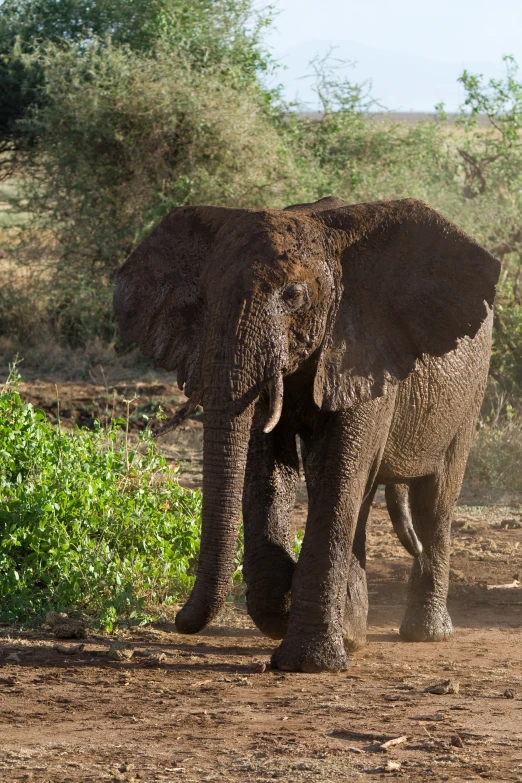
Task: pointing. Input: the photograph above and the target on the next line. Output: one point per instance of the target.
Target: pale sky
(457, 33)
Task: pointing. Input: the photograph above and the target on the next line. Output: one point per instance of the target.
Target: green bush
(209, 32)
(88, 523)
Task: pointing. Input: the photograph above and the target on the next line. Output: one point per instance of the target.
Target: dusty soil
(205, 708)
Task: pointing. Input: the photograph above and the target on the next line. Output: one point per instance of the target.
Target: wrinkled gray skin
(365, 331)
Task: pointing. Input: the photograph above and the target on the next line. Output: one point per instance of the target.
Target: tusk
(275, 390)
(179, 417)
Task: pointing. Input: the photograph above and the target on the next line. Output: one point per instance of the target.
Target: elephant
(364, 331)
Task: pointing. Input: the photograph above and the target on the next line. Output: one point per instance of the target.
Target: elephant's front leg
(341, 457)
(356, 608)
(268, 499)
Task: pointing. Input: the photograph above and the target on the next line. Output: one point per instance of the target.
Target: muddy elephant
(365, 331)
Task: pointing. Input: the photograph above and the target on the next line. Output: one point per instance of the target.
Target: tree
(210, 32)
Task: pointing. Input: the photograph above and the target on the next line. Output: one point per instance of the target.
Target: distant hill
(400, 82)
(410, 117)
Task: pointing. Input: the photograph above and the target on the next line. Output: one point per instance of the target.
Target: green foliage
(219, 33)
(506, 364)
(345, 153)
(298, 543)
(212, 31)
(88, 523)
(123, 138)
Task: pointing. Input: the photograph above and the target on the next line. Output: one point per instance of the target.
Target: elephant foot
(356, 608)
(268, 594)
(354, 633)
(316, 654)
(426, 624)
(270, 616)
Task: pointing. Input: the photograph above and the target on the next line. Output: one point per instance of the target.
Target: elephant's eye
(296, 297)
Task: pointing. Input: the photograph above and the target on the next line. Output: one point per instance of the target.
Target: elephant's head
(235, 300)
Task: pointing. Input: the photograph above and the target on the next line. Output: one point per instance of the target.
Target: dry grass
(496, 456)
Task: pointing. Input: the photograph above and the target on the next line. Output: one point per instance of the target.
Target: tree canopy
(223, 33)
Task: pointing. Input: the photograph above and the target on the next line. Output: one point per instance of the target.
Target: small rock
(442, 688)
(13, 658)
(509, 693)
(508, 586)
(392, 743)
(69, 630)
(52, 618)
(456, 741)
(147, 652)
(457, 576)
(117, 653)
(439, 716)
(154, 659)
(510, 524)
(68, 649)
(63, 627)
(392, 766)
(260, 667)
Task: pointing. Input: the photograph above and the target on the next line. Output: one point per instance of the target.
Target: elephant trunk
(234, 374)
(238, 363)
(225, 447)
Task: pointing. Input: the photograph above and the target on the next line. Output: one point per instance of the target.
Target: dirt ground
(150, 705)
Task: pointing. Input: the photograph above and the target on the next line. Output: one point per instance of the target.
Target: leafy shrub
(86, 522)
(209, 32)
(495, 459)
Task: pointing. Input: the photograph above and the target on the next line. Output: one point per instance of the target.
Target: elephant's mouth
(275, 392)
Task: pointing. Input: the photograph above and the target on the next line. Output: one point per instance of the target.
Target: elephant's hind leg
(268, 499)
(432, 500)
(427, 618)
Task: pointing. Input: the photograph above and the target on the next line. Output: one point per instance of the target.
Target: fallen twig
(393, 742)
(178, 418)
(514, 583)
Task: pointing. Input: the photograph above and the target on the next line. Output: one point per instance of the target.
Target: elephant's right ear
(157, 300)
(409, 284)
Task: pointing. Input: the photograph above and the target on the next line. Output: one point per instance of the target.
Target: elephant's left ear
(158, 300)
(409, 283)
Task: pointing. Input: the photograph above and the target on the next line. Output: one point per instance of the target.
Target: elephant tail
(398, 504)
